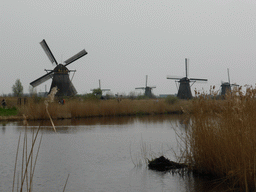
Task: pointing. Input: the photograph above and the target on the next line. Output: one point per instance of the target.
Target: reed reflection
(106, 120)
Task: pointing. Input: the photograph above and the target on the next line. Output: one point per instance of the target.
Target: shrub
(170, 99)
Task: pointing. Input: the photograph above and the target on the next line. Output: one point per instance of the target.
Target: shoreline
(11, 118)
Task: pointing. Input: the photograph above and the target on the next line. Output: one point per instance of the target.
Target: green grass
(8, 111)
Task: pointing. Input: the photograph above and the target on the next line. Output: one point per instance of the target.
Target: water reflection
(72, 125)
(3, 127)
(65, 126)
(104, 120)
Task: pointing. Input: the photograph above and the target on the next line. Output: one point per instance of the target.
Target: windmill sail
(195, 79)
(176, 78)
(75, 57)
(48, 52)
(42, 79)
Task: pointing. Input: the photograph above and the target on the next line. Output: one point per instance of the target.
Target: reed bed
(222, 139)
(77, 108)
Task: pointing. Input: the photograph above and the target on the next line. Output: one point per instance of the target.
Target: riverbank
(11, 118)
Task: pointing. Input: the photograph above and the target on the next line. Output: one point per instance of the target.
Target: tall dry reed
(24, 173)
(77, 108)
(27, 163)
(222, 138)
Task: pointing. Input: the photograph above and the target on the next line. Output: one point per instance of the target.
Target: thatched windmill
(184, 91)
(148, 90)
(60, 74)
(226, 86)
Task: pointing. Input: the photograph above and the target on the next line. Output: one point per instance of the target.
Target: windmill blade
(105, 89)
(186, 67)
(140, 88)
(42, 79)
(228, 76)
(99, 84)
(152, 87)
(48, 52)
(194, 79)
(176, 78)
(75, 57)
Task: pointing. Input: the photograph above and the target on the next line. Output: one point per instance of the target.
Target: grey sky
(129, 39)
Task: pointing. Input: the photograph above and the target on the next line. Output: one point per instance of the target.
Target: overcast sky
(127, 40)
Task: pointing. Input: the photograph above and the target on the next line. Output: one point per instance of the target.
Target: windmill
(184, 91)
(60, 74)
(148, 90)
(226, 86)
(99, 89)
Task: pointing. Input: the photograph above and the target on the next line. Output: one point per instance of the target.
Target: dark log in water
(164, 164)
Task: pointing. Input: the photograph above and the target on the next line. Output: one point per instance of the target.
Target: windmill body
(62, 81)
(184, 91)
(60, 74)
(226, 86)
(148, 90)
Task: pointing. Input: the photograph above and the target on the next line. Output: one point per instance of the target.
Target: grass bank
(222, 139)
(8, 111)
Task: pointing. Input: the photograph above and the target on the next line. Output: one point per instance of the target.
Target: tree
(97, 92)
(17, 88)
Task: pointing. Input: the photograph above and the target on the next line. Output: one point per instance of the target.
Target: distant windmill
(60, 74)
(148, 90)
(184, 91)
(100, 88)
(226, 86)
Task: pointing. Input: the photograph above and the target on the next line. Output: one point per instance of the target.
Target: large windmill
(60, 74)
(184, 91)
(148, 90)
(226, 86)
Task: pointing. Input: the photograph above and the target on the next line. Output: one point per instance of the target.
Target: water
(100, 154)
